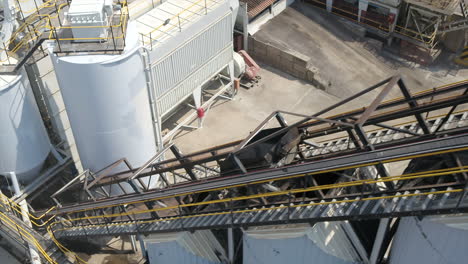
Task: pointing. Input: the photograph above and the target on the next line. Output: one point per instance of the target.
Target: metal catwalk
(316, 169)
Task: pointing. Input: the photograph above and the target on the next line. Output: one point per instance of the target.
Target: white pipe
(152, 100)
(35, 259)
(7, 27)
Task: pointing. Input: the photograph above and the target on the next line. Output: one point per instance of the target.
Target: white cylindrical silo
(106, 98)
(24, 144)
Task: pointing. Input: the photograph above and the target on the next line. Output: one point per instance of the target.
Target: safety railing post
(113, 39)
(181, 219)
(6, 52)
(19, 233)
(11, 207)
(37, 8)
(122, 28)
(231, 211)
(107, 225)
(151, 41)
(206, 8)
(178, 18)
(57, 39)
(58, 13)
(21, 11)
(289, 207)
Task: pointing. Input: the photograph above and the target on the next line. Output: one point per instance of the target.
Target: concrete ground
(120, 255)
(338, 53)
(232, 120)
(343, 57)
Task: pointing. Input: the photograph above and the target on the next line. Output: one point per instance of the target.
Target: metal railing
(173, 212)
(9, 205)
(197, 8)
(384, 27)
(41, 26)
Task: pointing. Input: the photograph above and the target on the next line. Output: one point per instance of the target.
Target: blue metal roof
(172, 252)
(429, 243)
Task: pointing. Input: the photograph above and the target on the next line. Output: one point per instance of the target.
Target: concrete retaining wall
(292, 62)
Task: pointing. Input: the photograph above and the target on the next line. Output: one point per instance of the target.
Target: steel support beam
(230, 246)
(381, 232)
(429, 147)
(356, 241)
(413, 104)
(184, 162)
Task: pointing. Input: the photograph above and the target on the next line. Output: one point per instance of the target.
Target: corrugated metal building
(324, 243)
(200, 247)
(429, 242)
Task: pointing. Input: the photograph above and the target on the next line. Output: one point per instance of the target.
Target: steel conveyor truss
(316, 169)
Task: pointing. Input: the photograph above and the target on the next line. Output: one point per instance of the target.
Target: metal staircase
(47, 23)
(395, 204)
(17, 230)
(336, 170)
(30, 34)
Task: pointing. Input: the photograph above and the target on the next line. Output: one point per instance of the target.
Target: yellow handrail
(380, 27)
(269, 208)
(418, 175)
(24, 233)
(45, 22)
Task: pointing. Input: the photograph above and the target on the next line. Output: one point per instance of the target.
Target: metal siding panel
(172, 252)
(200, 247)
(163, 75)
(427, 242)
(185, 89)
(191, 56)
(297, 250)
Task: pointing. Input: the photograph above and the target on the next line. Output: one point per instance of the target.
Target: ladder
(17, 230)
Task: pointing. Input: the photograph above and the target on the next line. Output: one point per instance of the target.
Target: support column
(35, 258)
(329, 6)
(245, 25)
(197, 94)
(363, 4)
(356, 241)
(133, 243)
(142, 247)
(230, 246)
(382, 230)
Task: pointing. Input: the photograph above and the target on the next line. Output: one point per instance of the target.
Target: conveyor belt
(407, 128)
(403, 152)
